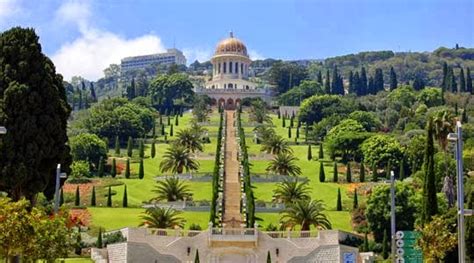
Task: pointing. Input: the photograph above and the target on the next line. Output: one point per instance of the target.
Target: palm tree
(190, 139)
(290, 191)
(158, 217)
(176, 159)
(264, 132)
(305, 213)
(443, 125)
(258, 112)
(284, 164)
(275, 145)
(172, 189)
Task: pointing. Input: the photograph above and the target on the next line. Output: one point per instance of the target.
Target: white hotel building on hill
(171, 56)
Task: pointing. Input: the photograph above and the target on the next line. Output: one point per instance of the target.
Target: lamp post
(457, 139)
(392, 214)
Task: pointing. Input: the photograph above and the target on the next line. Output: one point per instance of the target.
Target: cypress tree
(80, 100)
(371, 86)
(356, 80)
(141, 171)
(335, 175)
(141, 149)
(444, 83)
(321, 151)
(162, 130)
(319, 77)
(352, 89)
(169, 121)
(113, 170)
(153, 149)
(196, 258)
(363, 82)
(430, 203)
(401, 174)
(374, 172)
(99, 239)
(469, 81)
(171, 130)
(127, 169)
(92, 91)
(339, 201)
(297, 132)
(322, 175)
(130, 147)
(289, 131)
(393, 79)
(292, 121)
(365, 246)
(310, 154)
(327, 83)
(100, 170)
(335, 80)
(61, 197)
(180, 112)
(117, 145)
(462, 81)
(378, 80)
(176, 121)
(283, 121)
(125, 198)
(362, 172)
(356, 201)
(153, 130)
(278, 114)
(453, 85)
(77, 200)
(464, 118)
(348, 173)
(109, 198)
(418, 83)
(385, 247)
(93, 203)
(161, 119)
(269, 258)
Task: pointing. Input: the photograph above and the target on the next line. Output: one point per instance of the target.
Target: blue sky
(83, 37)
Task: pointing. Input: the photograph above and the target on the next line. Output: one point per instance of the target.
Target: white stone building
(171, 56)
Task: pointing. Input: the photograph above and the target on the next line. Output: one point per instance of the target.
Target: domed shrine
(230, 75)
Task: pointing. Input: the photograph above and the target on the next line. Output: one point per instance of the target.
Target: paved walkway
(232, 216)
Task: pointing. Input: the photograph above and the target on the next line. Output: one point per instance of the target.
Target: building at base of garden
(230, 82)
(231, 245)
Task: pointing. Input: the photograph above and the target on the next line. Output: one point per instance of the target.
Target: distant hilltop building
(230, 75)
(171, 56)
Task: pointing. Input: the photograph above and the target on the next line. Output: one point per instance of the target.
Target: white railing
(292, 234)
(243, 91)
(172, 232)
(233, 234)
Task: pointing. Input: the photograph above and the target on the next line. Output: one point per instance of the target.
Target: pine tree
(176, 121)
(462, 81)
(363, 82)
(141, 149)
(117, 145)
(444, 84)
(469, 81)
(113, 170)
(141, 170)
(125, 197)
(321, 151)
(356, 201)
(61, 197)
(310, 154)
(393, 79)
(378, 80)
(327, 83)
(93, 202)
(171, 130)
(322, 175)
(339, 201)
(100, 170)
(196, 258)
(109, 198)
(385, 247)
(153, 149)
(348, 173)
(362, 172)
(374, 172)
(130, 147)
(430, 203)
(127, 169)
(401, 174)
(335, 177)
(99, 239)
(289, 131)
(319, 77)
(77, 200)
(269, 258)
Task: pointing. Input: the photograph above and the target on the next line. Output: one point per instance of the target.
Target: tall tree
(321, 151)
(327, 83)
(444, 83)
(469, 81)
(153, 149)
(130, 147)
(371, 86)
(348, 173)
(362, 172)
(363, 82)
(34, 110)
(310, 154)
(92, 91)
(378, 80)
(418, 83)
(352, 88)
(322, 175)
(356, 80)
(117, 146)
(141, 170)
(319, 77)
(109, 197)
(335, 85)
(113, 169)
(125, 197)
(127, 169)
(430, 203)
(100, 170)
(141, 149)
(462, 81)
(77, 198)
(393, 79)
(93, 201)
(355, 203)
(339, 201)
(335, 176)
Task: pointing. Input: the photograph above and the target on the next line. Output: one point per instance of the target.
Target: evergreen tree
(348, 173)
(292, 121)
(77, 200)
(131, 90)
(310, 154)
(362, 172)
(92, 91)
(352, 89)
(283, 121)
(430, 203)
(176, 121)
(378, 80)
(469, 81)
(109, 198)
(464, 118)
(374, 172)
(269, 258)
(335, 175)
(385, 247)
(130, 147)
(297, 133)
(162, 130)
(388, 169)
(393, 79)
(363, 82)
(321, 151)
(113, 170)
(171, 130)
(153, 130)
(141, 149)
(401, 174)
(93, 201)
(61, 197)
(365, 246)
(356, 80)
(127, 169)
(289, 132)
(168, 120)
(453, 85)
(196, 258)
(81, 106)
(339, 201)
(356, 201)
(319, 77)
(125, 197)
(456, 111)
(462, 81)
(161, 119)
(278, 114)
(99, 239)
(153, 149)
(117, 146)
(327, 83)
(322, 175)
(334, 82)
(371, 86)
(418, 83)
(141, 170)
(100, 170)
(444, 84)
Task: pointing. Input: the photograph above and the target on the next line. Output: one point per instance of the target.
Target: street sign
(407, 252)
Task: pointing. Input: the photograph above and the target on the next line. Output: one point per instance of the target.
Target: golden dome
(231, 45)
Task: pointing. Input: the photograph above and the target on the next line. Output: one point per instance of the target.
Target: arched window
(236, 67)
(213, 87)
(247, 87)
(219, 68)
(242, 69)
(230, 67)
(225, 68)
(230, 86)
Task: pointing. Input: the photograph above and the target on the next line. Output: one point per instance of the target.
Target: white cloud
(254, 55)
(95, 49)
(200, 54)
